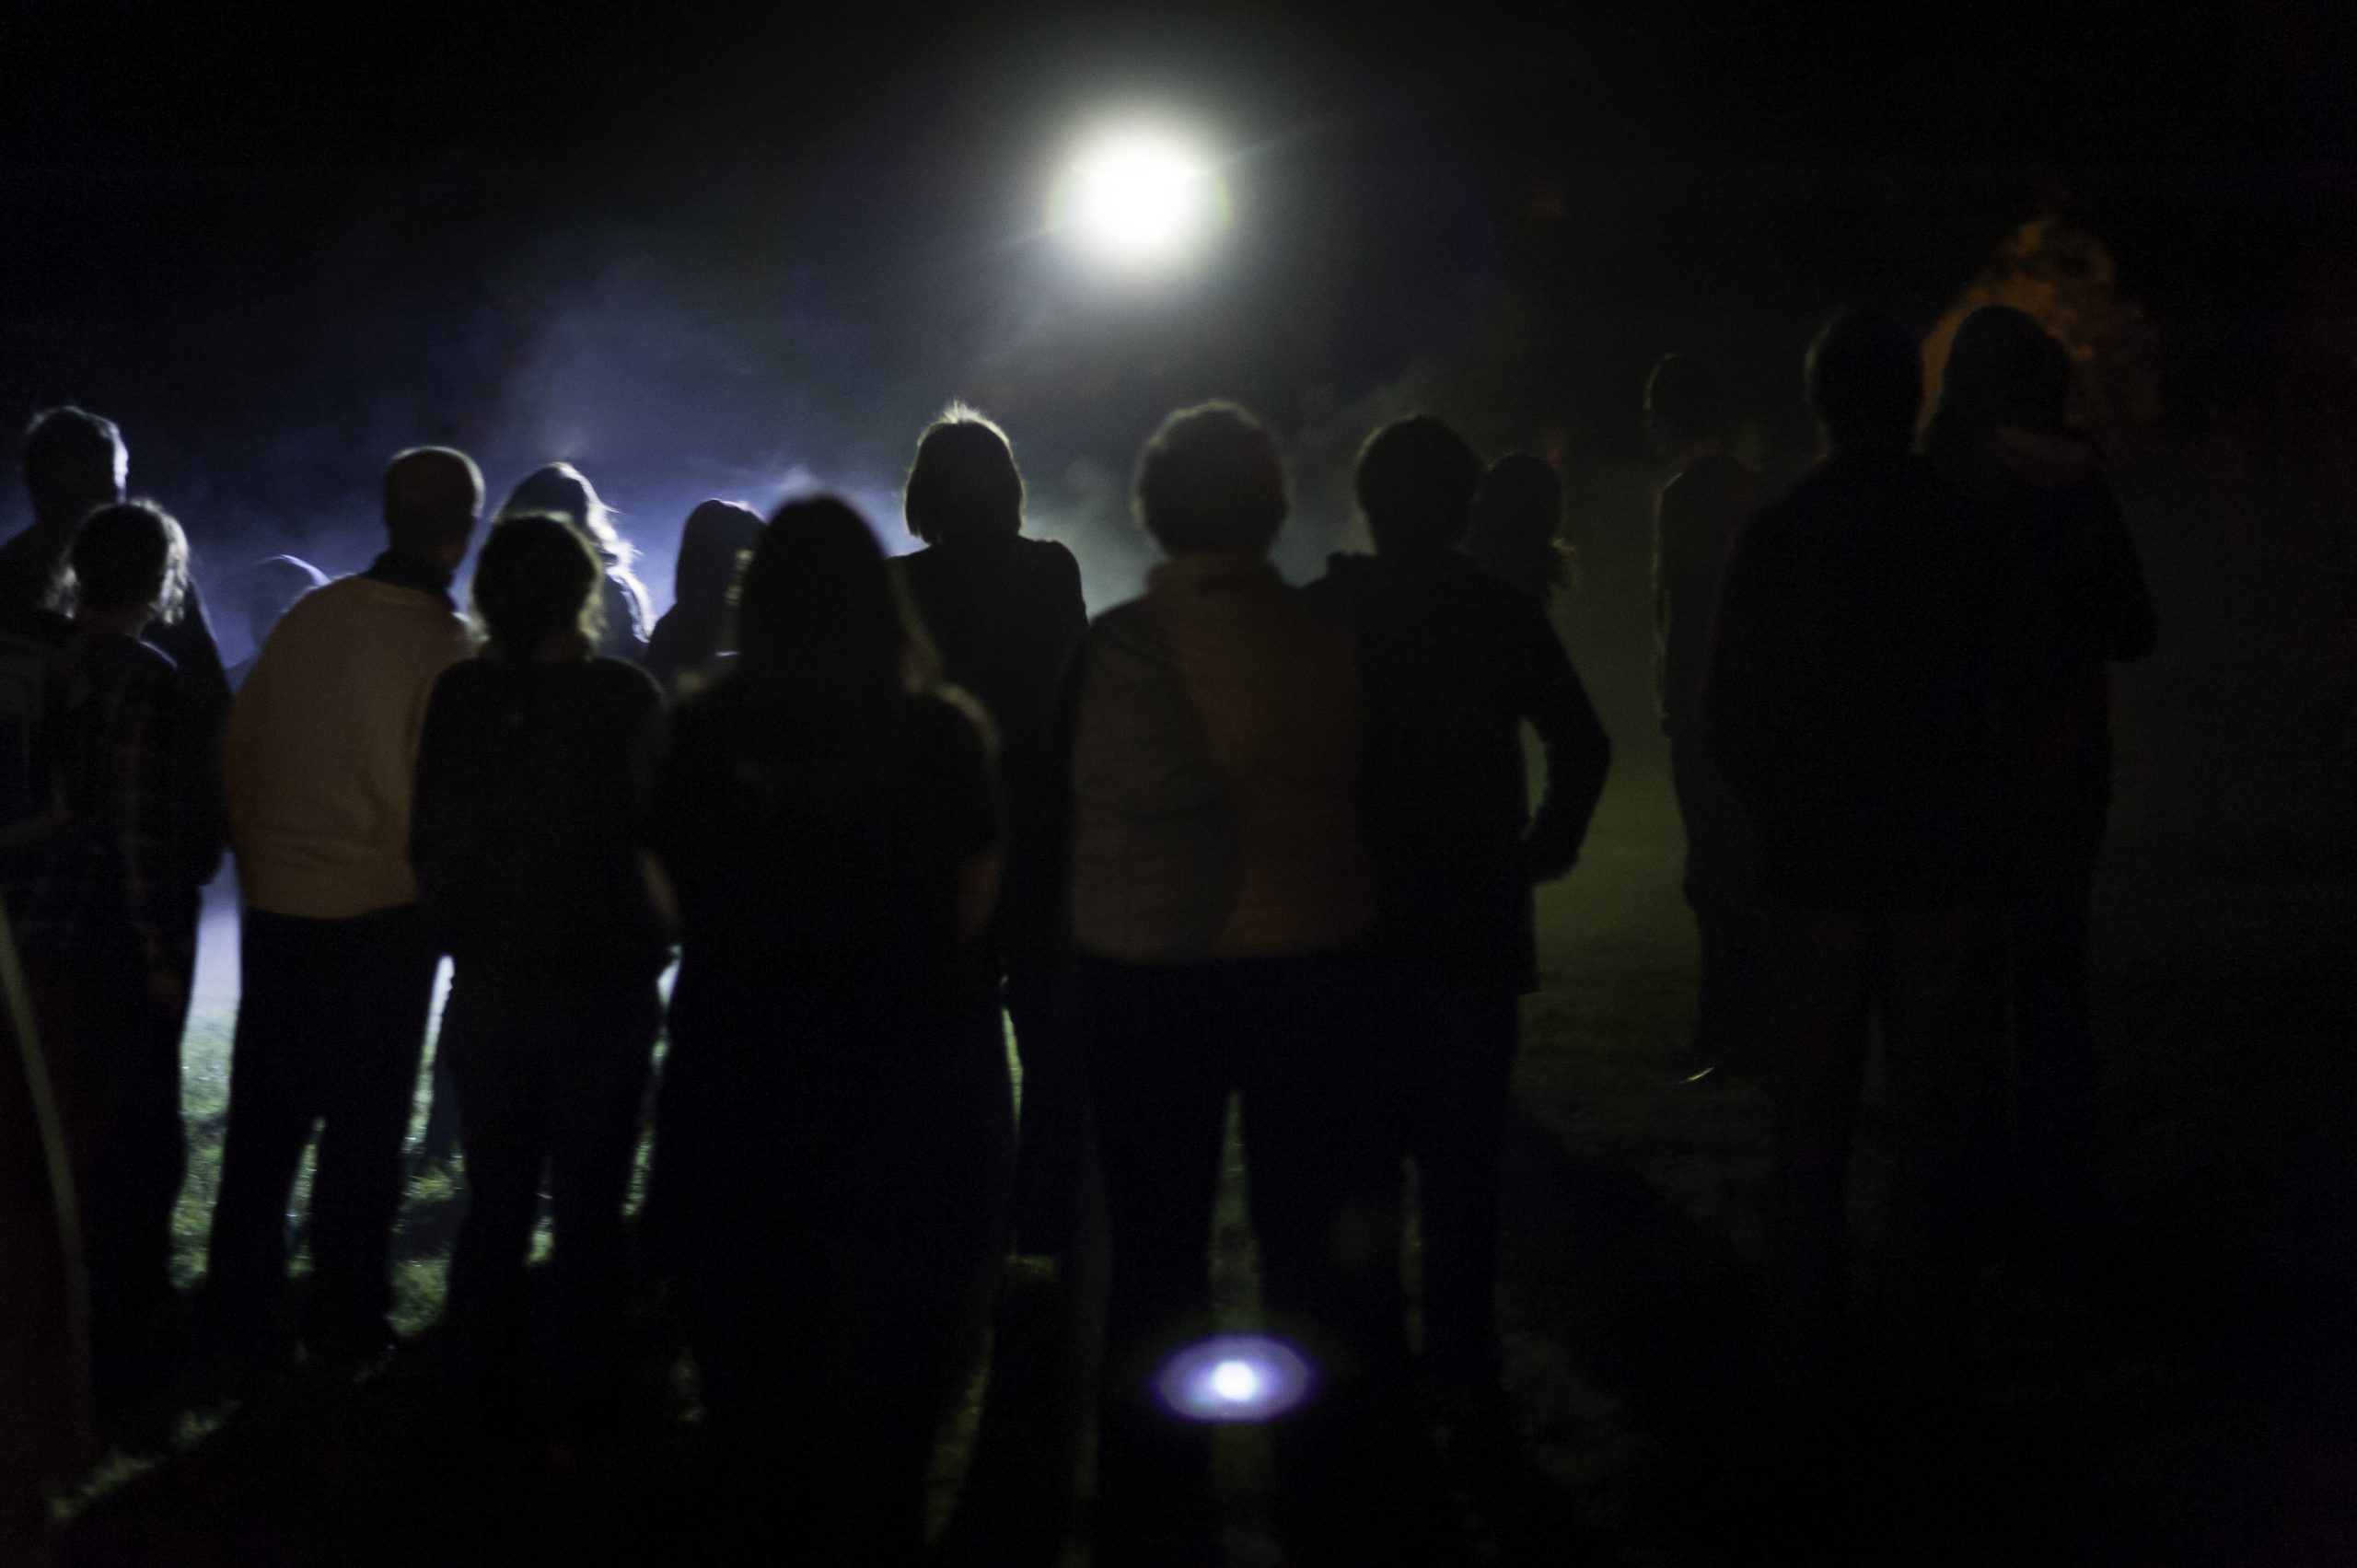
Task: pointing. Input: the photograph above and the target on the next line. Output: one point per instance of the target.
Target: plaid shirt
(118, 877)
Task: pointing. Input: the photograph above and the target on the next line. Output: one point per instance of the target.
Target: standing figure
(104, 918)
(1221, 900)
(1852, 696)
(1516, 534)
(2078, 595)
(1455, 662)
(835, 1099)
(694, 632)
(560, 490)
(1006, 613)
(1696, 517)
(532, 781)
(337, 972)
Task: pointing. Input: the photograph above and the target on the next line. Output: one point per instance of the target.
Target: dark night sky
(704, 248)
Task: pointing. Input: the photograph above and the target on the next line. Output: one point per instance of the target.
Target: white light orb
(1139, 197)
(1235, 1381)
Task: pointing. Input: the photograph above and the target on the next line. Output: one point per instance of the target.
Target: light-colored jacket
(321, 755)
(1214, 771)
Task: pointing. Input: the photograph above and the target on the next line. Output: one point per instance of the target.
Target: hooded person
(2079, 602)
(695, 631)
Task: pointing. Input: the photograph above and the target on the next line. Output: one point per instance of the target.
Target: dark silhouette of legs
(1722, 886)
(1049, 1166)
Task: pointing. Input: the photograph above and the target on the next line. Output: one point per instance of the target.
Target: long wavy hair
(829, 650)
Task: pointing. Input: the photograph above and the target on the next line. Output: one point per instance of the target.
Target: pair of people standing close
(1904, 691)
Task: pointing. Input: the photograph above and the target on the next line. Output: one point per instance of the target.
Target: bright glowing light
(1139, 197)
(1235, 1381)
(1235, 1377)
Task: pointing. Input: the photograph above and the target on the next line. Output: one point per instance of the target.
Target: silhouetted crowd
(1232, 842)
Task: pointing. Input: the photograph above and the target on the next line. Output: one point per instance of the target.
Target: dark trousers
(1167, 1045)
(549, 1072)
(1918, 974)
(115, 1053)
(1450, 1039)
(331, 1025)
(1051, 1161)
(1720, 883)
(2042, 973)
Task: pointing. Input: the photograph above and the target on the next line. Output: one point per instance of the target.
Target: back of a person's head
(560, 490)
(1864, 374)
(712, 550)
(820, 622)
(128, 555)
(535, 579)
(1211, 482)
(1415, 483)
(73, 461)
(1517, 520)
(2005, 369)
(272, 588)
(1687, 400)
(964, 483)
(433, 495)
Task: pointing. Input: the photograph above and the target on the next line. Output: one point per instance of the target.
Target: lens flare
(1138, 197)
(1235, 1377)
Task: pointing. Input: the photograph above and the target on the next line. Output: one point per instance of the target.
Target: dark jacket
(2074, 588)
(533, 781)
(1454, 663)
(1853, 687)
(1696, 517)
(1007, 616)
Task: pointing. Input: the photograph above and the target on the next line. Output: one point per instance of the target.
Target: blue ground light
(1235, 1377)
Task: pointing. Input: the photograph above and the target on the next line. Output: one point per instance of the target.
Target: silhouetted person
(338, 966)
(560, 490)
(836, 1111)
(2079, 599)
(1697, 514)
(272, 588)
(1005, 614)
(1221, 897)
(533, 776)
(1455, 662)
(105, 919)
(1516, 533)
(694, 632)
(1852, 696)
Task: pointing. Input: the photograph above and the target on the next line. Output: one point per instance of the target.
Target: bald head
(433, 496)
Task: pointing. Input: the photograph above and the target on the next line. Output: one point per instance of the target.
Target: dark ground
(2191, 1399)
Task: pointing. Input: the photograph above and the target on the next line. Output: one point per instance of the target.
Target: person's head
(560, 490)
(1517, 518)
(711, 548)
(74, 460)
(128, 558)
(272, 588)
(2005, 369)
(824, 633)
(1864, 374)
(433, 496)
(536, 588)
(1415, 483)
(1211, 482)
(964, 483)
(1687, 403)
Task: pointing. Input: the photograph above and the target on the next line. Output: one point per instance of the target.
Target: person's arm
(204, 698)
(439, 849)
(1738, 686)
(142, 810)
(2125, 625)
(1579, 754)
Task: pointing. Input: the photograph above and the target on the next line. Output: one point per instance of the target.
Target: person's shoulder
(1046, 556)
(946, 718)
(624, 682)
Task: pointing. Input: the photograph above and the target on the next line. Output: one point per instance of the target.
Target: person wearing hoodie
(694, 632)
(1454, 662)
(2078, 592)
